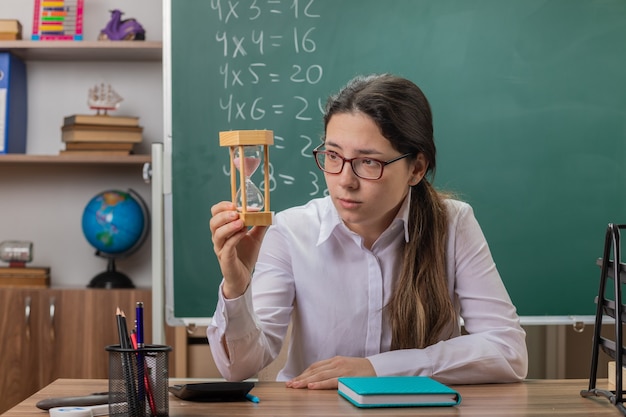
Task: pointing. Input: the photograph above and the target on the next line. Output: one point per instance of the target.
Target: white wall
(44, 203)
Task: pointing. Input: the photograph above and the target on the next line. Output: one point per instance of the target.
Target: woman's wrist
(231, 291)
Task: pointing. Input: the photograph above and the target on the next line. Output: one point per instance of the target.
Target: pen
(140, 345)
(252, 398)
(139, 324)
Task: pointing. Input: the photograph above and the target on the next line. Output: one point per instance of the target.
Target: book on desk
(397, 391)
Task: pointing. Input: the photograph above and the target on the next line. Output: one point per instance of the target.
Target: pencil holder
(138, 381)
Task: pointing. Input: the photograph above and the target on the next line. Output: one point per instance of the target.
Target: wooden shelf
(85, 50)
(70, 159)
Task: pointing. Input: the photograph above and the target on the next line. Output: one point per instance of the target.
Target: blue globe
(115, 223)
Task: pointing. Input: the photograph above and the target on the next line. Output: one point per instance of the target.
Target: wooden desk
(531, 398)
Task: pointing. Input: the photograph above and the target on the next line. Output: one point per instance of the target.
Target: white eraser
(96, 410)
(70, 411)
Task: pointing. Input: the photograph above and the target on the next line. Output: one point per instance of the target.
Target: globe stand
(116, 224)
(111, 278)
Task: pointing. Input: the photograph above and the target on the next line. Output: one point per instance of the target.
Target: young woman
(374, 277)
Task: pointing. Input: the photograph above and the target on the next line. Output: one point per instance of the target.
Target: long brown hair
(420, 309)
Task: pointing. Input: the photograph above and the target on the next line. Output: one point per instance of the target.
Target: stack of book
(31, 277)
(100, 134)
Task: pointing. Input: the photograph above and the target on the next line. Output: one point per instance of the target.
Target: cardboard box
(200, 362)
(10, 30)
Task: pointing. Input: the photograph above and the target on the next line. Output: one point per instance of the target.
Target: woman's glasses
(366, 168)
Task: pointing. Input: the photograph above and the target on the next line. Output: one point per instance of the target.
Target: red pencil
(146, 379)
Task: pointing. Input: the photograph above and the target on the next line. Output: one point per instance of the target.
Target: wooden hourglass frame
(238, 139)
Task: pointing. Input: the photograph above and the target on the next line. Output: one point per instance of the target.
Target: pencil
(120, 328)
(127, 366)
(127, 344)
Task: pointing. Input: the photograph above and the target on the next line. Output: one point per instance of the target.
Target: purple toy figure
(122, 30)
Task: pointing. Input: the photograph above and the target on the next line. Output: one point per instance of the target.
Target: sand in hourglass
(250, 165)
(253, 195)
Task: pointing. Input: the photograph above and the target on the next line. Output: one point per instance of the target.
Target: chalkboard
(529, 103)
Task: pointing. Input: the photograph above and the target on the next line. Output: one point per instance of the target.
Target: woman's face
(368, 207)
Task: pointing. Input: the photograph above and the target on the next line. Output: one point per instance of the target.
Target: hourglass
(248, 149)
(252, 198)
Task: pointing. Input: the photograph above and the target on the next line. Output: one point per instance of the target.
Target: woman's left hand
(324, 374)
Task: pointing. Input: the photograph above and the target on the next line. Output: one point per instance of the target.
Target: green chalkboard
(528, 96)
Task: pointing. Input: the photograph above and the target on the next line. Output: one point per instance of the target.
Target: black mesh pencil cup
(138, 381)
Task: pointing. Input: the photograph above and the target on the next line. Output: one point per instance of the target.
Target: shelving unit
(85, 50)
(39, 172)
(46, 192)
(71, 159)
(124, 51)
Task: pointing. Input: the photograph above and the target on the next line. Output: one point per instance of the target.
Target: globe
(116, 224)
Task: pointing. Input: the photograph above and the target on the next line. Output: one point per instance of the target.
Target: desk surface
(529, 398)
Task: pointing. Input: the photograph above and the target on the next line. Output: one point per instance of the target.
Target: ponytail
(420, 309)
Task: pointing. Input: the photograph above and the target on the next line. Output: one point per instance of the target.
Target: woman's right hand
(236, 246)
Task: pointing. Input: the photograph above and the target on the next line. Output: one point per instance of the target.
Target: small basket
(138, 381)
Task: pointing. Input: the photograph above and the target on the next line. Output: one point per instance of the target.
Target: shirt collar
(331, 220)
(403, 214)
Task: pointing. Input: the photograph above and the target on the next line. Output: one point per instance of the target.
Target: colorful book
(397, 391)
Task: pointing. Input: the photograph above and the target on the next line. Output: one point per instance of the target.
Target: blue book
(397, 391)
(12, 104)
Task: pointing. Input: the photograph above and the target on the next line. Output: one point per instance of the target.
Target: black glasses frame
(383, 164)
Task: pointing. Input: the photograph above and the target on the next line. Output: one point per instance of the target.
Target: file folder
(13, 101)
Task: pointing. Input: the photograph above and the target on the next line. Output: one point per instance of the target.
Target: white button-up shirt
(314, 271)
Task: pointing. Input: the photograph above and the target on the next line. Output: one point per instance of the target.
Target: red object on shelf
(58, 20)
